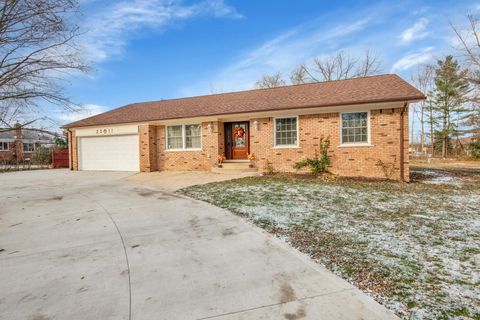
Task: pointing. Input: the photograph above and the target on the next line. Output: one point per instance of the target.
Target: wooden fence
(60, 158)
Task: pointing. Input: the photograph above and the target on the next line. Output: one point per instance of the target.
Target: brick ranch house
(365, 118)
(18, 145)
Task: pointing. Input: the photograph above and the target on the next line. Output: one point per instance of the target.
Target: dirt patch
(287, 293)
(194, 222)
(146, 192)
(228, 232)
(160, 194)
(299, 314)
(54, 198)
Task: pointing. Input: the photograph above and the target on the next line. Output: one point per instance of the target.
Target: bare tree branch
(469, 45)
(38, 51)
(338, 66)
(270, 81)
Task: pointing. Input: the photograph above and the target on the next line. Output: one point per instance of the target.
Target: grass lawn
(415, 248)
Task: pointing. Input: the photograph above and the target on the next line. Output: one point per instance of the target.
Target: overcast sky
(145, 50)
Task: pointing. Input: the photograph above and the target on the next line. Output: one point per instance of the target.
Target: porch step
(234, 167)
(237, 161)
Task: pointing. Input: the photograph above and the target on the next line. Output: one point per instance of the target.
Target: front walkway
(175, 180)
(90, 245)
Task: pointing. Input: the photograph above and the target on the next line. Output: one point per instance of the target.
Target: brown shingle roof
(382, 88)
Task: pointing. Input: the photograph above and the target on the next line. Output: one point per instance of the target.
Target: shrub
(318, 164)
(388, 169)
(42, 156)
(269, 169)
(474, 149)
(61, 143)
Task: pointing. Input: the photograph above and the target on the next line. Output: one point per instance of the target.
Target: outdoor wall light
(256, 125)
(210, 127)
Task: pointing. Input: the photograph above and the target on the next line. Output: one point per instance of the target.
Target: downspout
(70, 149)
(402, 143)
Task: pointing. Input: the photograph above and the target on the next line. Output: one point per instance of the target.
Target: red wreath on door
(238, 132)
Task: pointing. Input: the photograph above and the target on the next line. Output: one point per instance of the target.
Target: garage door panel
(109, 153)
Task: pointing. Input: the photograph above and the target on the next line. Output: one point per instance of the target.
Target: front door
(236, 140)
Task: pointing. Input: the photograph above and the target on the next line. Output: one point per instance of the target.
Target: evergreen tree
(450, 94)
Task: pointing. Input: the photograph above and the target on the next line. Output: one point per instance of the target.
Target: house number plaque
(104, 131)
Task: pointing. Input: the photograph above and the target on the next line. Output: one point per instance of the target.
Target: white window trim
(34, 146)
(8, 147)
(356, 144)
(184, 138)
(285, 146)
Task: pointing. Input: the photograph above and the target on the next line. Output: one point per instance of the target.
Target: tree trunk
(422, 122)
(431, 129)
(412, 144)
(444, 135)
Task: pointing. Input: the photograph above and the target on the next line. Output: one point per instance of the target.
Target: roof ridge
(265, 89)
(375, 88)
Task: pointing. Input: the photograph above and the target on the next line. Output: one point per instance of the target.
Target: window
(3, 146)
(174, 137)
(192, 136)
(355, 127)
(184, 137)
(286, 132)
(28, 147)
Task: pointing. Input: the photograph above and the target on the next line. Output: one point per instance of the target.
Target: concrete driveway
(90, 245)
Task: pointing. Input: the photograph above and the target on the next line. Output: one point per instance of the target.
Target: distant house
(19, 144)
(365, 118)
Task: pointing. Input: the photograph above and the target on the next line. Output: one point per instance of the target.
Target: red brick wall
(73, 145)
(212, 146)
(8, 154)
(346, 161)
(148, 148)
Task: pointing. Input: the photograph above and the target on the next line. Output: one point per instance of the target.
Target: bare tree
(469, 46)
(423, 80)
(37, 52)
(369, 65)
(299, 75)
(338, 66)
(270, 81)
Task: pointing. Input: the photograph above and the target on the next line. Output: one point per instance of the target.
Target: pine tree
(449, 96)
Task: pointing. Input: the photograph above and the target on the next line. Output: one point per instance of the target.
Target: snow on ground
(416, 249)
(440, 177)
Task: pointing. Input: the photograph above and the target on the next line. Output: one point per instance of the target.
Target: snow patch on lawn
(439, 177)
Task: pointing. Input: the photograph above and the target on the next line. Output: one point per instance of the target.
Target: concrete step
(234, 167)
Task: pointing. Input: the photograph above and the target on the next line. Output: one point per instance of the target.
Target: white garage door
(109, 153)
